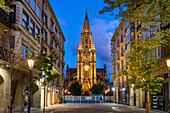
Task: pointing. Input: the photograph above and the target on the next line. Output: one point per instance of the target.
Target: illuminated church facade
(86, 72)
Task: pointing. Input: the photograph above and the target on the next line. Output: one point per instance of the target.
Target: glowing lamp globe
(168, 63)
(86, 68)
(30, 62)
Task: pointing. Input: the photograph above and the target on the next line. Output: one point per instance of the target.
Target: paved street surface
(93, 108)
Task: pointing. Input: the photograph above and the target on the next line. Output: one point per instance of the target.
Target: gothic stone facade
(86, 72)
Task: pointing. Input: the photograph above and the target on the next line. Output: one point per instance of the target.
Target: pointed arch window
(86, 41)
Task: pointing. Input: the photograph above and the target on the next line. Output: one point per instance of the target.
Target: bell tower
(86, 58)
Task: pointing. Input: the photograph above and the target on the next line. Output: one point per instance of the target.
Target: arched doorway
(86, 90)
(34, 95)
(1, 87)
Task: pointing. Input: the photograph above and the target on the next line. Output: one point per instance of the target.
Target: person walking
(64, 100)
(100, 99)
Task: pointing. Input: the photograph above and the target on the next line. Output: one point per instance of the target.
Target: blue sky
(71, 15)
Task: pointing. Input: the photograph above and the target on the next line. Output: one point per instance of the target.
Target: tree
(45, 64)
(97, 88)
(154, 14)
(75, 89)
(5, 8)
(142, 67)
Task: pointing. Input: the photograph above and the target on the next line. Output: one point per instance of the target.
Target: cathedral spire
(86, 27)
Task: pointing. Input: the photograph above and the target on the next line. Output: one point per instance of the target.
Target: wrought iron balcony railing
(5, 18)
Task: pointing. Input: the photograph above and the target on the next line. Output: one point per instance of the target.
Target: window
(132, 36)
(32, 29)
(58, 64)
(159, 51)
(118, 67)
(11, 42)
(38, 11)
(121, 38)
(31, 51)
(36, 55)
(37, 33)
(52, 25)
(33, 5)
(45, 36)
(86, 41)
(117, 43)
(24, 50)
(45, 19)
(51, 42)
(25, 20)
(44, 51)
(28, 1)
(122, 64)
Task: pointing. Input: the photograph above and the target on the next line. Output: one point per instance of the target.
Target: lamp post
(30, 65)
(114, 94)
(166, 102)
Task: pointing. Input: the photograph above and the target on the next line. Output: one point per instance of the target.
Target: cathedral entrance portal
(86, 90)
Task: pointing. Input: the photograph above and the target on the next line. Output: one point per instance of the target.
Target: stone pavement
(93, 108)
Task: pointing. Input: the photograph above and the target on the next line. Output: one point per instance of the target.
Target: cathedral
(86, 72)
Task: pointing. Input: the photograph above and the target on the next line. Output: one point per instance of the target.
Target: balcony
(118, 45)
(5, 18)
(56, 38)
(121, 54)
(57, 68)
(55, 50)
(114, 62)
(113, 50)
(121, 40)
(118, 58)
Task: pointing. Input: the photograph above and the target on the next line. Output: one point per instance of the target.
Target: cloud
(102, 33)
(74, 45)
(63, 22)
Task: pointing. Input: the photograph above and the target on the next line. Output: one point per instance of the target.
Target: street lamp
(30, 65)
(168, 63)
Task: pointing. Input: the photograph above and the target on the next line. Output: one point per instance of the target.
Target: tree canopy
(97, 88)
(45, 64)
(154, 14)
(4, 7)
(142, 66)
(75, 89)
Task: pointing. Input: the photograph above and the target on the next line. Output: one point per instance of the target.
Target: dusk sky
(71, 15)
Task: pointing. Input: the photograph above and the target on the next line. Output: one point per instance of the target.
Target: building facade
(86, 72)
(20, 38)
(123, 93)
